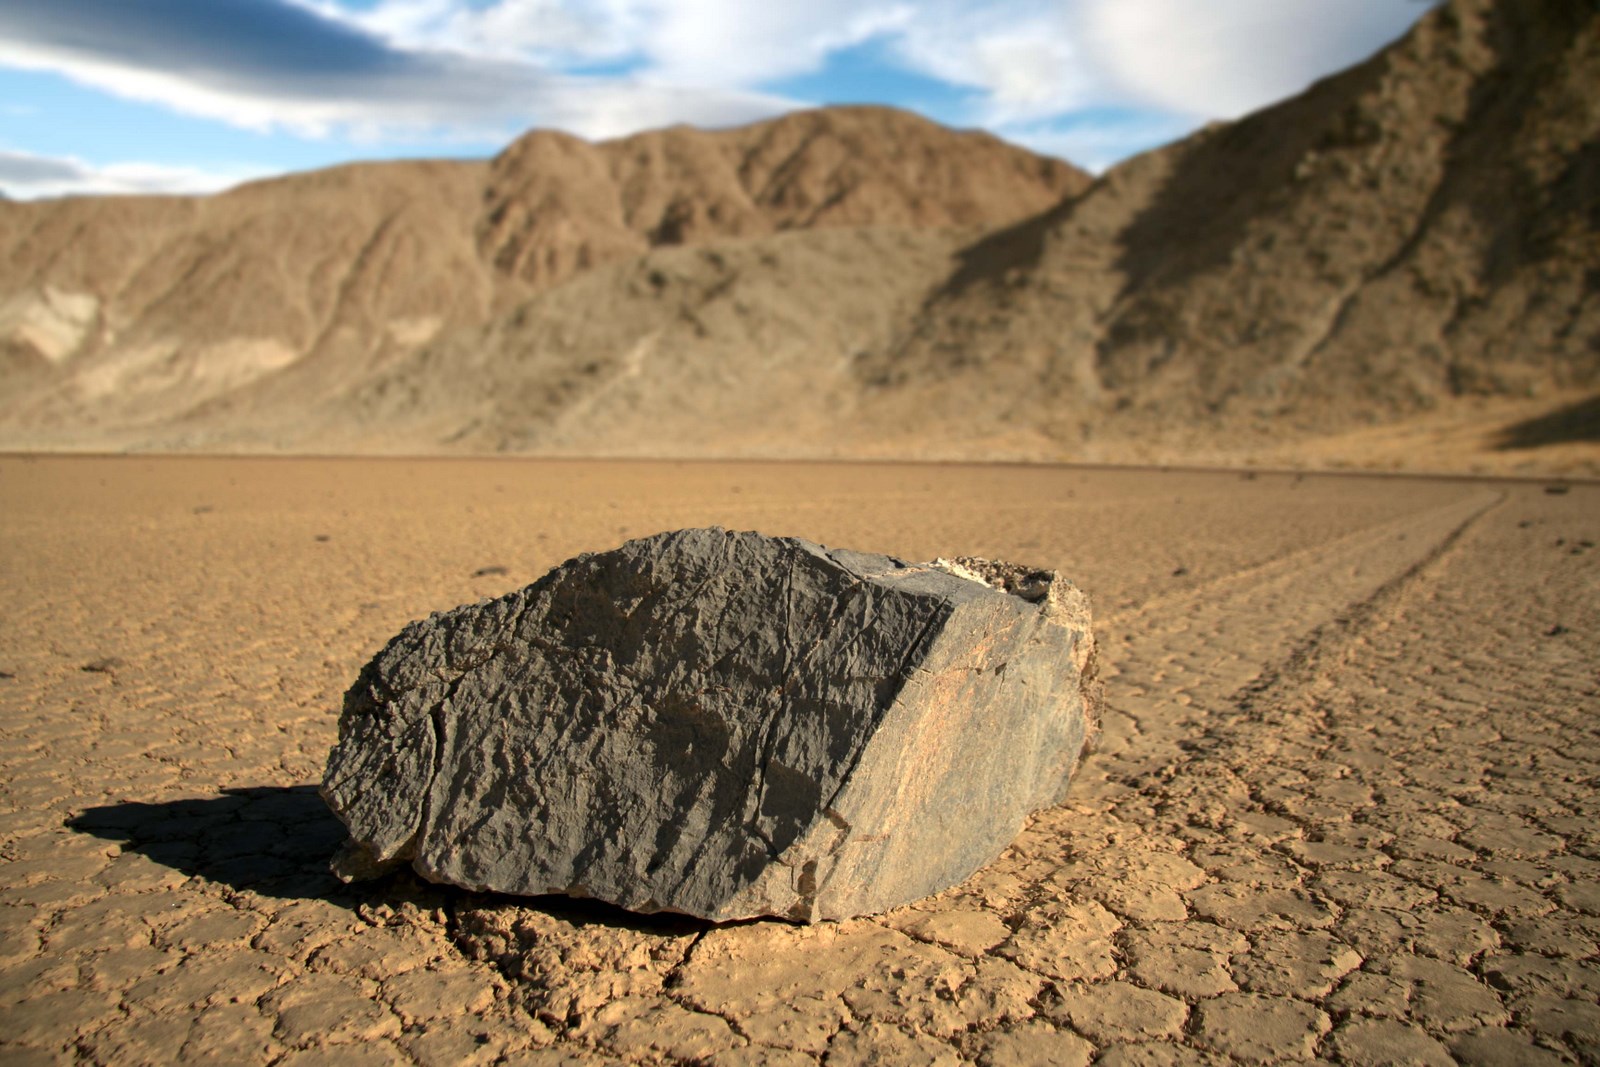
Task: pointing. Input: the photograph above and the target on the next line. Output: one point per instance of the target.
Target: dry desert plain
(1344, 808)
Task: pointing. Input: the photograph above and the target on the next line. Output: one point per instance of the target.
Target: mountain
(1408, 252)
(205, 321)
(555, 206)
(130, 311)
(1418, 229)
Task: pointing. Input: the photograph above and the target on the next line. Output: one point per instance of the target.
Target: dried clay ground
(1345, 806)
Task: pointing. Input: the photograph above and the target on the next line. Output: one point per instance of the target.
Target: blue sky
(195, 95)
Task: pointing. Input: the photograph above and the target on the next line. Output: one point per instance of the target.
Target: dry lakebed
(1344, 806)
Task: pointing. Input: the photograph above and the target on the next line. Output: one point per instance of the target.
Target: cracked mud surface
(1344, 807)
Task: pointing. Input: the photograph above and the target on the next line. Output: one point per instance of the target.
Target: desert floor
(1345, 806)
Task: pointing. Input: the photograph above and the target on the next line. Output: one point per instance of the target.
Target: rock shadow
(1573, 423)
(583, 912)
(273, 840)
(277, 841)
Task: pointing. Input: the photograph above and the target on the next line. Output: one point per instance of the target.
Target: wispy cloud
(550, 33)
(26, 176)
(1098, 138)
(1224, 58)
(268, 64)
(1089, 79)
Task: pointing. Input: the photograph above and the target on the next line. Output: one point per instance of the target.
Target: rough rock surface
(720, 724)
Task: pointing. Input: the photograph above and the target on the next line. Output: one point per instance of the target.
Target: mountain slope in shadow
(1417, 229)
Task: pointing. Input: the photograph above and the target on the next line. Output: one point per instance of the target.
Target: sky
(177, 96)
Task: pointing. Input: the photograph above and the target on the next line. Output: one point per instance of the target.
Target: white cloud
(1017, 55)
(708, 43)
(737, 43)
(1025, 73)
(288, 67)
(1224, 58)
(546, 32)
(456, 100)
(1096, 141)
(451, 69)
(27, 176)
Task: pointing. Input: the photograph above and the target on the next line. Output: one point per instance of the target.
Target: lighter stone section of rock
(720, 724)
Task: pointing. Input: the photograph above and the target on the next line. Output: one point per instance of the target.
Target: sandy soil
(1345, 806)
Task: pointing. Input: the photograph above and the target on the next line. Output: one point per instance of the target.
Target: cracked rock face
(720, 724)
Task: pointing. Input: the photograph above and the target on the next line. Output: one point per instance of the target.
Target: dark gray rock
(721, 724)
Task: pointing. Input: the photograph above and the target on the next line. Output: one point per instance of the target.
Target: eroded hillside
(1400, 266)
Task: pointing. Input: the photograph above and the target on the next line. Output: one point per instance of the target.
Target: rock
(720, 724)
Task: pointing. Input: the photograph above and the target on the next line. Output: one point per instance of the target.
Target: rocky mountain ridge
(1412, 239)
(134, 315)
(1419, 228)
